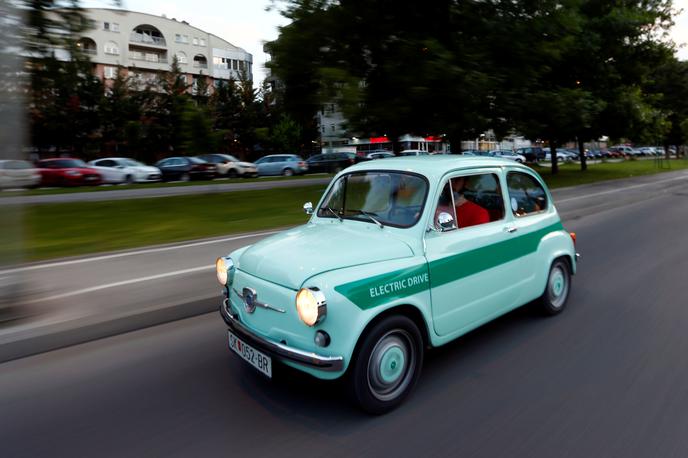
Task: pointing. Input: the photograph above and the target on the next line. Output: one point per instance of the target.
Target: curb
(65, 334)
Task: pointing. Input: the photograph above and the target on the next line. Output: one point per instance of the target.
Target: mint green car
(399, 256)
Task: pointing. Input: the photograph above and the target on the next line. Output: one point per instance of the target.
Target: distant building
(144, 45)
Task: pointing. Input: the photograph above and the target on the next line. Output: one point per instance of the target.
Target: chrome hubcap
(558, 287)
(390, 365)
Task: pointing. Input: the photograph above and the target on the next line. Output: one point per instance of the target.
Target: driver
(467, 212)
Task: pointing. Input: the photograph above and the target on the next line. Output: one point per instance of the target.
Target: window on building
(181, 57)
(195, 41)
(202, 41)
(110, 73)
(114, 27)
(185, 38)
(234, 64)
(177, 38)
(241, 65)
(106, 26)
(111, 48)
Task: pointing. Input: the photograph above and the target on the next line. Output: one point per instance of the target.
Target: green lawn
(67, 229)
(55, 230)
(571, 175)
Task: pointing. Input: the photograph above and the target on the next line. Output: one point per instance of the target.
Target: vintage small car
(399, 256)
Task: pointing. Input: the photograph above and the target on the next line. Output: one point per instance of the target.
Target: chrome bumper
(279, 350)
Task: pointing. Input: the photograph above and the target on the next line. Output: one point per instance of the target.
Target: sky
(247, 24)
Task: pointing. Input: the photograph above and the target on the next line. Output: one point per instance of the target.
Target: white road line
(626, 188)
(133, 253)
(119, 283)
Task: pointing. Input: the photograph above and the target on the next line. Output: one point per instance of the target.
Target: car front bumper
(276, 349)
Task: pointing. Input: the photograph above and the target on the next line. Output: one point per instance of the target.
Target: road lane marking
(119, 283)
(135, 253)
(611, 191)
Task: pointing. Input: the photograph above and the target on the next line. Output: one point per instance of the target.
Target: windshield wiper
(371, 217)
(334, 213)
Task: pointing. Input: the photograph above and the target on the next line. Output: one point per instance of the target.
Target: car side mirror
(446, 222)
(308, 208)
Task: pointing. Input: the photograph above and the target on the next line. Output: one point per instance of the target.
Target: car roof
(434, 166)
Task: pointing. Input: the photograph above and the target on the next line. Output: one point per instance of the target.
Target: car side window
(526, 195)
(476, 199)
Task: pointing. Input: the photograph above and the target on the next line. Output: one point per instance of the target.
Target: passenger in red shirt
(467, 212)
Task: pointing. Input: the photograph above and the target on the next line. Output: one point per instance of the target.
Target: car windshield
(389, 198)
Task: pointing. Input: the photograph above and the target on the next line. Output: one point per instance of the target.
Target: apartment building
(145, 45)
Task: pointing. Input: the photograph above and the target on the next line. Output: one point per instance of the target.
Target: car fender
(356, 296)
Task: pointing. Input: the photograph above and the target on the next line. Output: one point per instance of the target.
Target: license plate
(255, 358)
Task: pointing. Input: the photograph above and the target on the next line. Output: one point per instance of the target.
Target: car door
(472, 272)
(532, 217)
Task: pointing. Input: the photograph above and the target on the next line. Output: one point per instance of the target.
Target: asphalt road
(609, 377)
(164, 191)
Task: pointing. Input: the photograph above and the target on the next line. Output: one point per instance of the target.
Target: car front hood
(291, 257)
(146, 169)
(246, 164)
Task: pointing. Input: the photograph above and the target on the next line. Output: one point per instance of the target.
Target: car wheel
(558, 287)
(185, 177)
(387, 365)
(232, 173)
(129, 179)
(287, 172)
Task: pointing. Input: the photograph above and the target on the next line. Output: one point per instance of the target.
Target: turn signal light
(573, 237)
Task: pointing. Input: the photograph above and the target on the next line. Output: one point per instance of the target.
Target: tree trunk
(553, 156)
(581, 155)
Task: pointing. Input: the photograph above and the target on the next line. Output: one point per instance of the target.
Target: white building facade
(144, 45)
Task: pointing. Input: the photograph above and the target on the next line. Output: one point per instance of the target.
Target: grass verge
(56, 230)
(571, 174)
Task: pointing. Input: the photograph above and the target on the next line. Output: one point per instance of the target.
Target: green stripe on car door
(383, 288)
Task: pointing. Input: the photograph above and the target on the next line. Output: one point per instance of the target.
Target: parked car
(66, 171)
(134, 171)
(230, 166)
(330, 162)
(469, 152)
(367, 155)
(561, 156)
(414, 152)
(623, 150)
(508, 155)
(531, 153)
(387, 267)
(186, 168)
(379, 155)
(15, 173)
(281, 164)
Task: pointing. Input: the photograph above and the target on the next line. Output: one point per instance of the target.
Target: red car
(65, 171)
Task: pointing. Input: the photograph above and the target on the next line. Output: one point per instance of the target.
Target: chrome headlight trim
(311, 306)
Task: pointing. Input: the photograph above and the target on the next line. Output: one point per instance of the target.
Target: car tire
(232, 173)
(129, 179)
(387, 365)
(185, 177)
(558, 287)
(287, 172)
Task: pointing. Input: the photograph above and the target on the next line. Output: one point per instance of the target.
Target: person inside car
(467, 213)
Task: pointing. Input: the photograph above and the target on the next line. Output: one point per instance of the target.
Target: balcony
(154, 59)
(146, 39)
(200, 65)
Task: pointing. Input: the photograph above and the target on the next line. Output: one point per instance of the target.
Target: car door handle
(510, 229)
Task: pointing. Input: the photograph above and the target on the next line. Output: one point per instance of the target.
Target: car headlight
(224, 268)
(311, 306)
